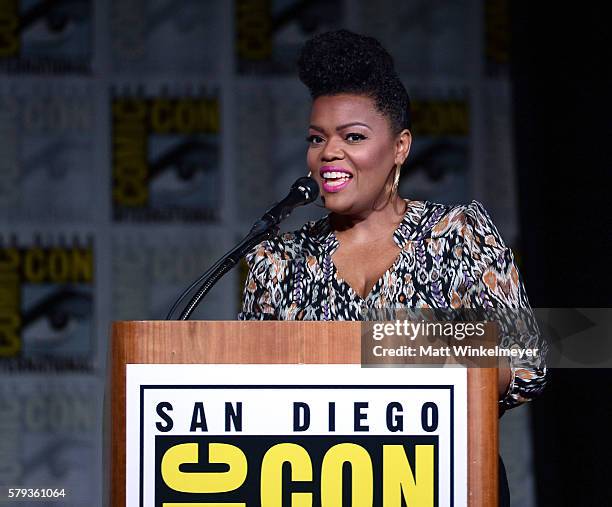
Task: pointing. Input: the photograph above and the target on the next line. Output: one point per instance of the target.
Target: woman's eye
(354, 137)
(314, 139)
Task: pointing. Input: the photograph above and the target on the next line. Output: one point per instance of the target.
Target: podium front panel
(402, 431)
(239, 399)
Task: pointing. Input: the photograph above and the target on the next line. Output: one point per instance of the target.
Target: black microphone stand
(264, 228)
(260, 231)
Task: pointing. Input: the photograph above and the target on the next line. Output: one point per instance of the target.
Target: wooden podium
(227, 342)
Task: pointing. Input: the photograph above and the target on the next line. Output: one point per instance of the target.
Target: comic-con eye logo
(47, 311)
(165, 158)
(45, 36)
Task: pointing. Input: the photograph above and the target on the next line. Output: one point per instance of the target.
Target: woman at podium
(376, 249)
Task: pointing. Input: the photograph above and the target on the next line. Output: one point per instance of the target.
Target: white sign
(221, 433)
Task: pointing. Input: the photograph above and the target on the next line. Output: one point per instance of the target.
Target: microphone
(304, 191)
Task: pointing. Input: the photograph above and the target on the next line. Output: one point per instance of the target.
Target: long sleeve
(493, 284)
(257, 302)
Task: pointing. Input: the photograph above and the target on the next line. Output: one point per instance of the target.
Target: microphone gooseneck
(304, 191)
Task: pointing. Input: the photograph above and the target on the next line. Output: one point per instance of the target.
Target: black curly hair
(345, 62)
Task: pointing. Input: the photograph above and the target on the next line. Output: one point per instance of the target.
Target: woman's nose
(332, 150)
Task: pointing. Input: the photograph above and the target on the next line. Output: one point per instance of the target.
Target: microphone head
(307, 187)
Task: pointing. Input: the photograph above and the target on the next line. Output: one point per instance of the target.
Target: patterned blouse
(450, 257)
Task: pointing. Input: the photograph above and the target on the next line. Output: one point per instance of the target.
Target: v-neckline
(376, 285)
(400, 238)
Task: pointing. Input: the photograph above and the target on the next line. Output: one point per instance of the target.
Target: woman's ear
(402, 146)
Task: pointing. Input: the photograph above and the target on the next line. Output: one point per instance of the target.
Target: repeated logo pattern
(141, 138)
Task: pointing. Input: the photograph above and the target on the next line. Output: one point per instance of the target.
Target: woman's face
(352, 153)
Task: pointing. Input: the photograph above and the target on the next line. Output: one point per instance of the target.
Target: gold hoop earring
(398, 168)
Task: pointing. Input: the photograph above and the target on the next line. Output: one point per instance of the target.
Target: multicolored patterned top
(451, 257)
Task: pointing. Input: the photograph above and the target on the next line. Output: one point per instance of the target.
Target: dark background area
(562, 129)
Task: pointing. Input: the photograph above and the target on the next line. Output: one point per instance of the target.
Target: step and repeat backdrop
(139, 139)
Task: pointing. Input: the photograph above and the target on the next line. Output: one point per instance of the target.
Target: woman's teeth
(335, 178)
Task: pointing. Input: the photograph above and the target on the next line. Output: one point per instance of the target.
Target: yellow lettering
(9, 25)
(204, 482)
(272, 475)
(9, 259)
(185, 116)
(205, 504)
(10, 318)
(441, 117)
(58, 263)
(130, 168)
(254, 29)
(10, 340)
(34, 265)
(161, 115)
(82, 265)
(398, 480)
(362, 482)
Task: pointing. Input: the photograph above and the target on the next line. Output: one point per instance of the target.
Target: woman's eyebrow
(342, 127)
(353, 124)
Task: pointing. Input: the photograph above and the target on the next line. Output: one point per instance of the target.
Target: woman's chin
(339, 204)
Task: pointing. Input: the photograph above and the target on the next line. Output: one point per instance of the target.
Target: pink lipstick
(335, 178)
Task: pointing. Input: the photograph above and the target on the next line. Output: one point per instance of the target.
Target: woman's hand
(504, 377)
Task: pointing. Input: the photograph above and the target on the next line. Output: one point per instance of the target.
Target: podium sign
(223, 413)
(301, 435)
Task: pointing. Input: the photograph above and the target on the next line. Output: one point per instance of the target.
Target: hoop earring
(398, 168)
(309, 174)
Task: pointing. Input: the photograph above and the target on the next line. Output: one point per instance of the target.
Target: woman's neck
(373, 225)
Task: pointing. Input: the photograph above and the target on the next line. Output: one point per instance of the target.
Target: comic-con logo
(165, 157)
(46, 154)
(236, 442)
(390, 469)
(46, 316)
(45, 36)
